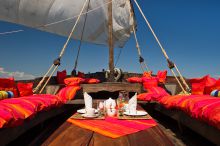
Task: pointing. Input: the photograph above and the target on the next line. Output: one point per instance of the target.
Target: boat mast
(110, 42)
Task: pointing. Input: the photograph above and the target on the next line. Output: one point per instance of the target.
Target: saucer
(138, 113)
(90, 116)
(83, 111)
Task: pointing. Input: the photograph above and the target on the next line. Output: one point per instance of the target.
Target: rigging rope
(141, 59)
(57, 61)
(171, 65)
(80, 43)
(56, 22)
(118, 57)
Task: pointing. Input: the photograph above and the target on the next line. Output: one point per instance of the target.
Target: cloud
(17, 75)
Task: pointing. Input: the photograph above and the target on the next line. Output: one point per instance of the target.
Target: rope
(141, 60)
(162, 49)
(118, 57)
(56, 22)
(42, 80)
(76, 61)
(48, 79)
(61, 53)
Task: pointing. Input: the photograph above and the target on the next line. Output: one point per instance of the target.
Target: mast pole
(110, 42)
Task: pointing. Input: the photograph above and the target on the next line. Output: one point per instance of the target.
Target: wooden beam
(110, 42)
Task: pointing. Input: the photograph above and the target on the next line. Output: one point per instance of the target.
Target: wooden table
(112, 87)
(70, 134)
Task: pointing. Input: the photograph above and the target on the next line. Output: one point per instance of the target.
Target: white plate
(139, 113)
(90, 116)
(83, 111)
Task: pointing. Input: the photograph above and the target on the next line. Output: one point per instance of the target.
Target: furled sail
(35, 13)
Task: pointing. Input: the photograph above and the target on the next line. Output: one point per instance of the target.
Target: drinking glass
(101, 107)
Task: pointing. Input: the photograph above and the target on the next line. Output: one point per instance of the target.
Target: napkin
(87, 100)
(132, 103)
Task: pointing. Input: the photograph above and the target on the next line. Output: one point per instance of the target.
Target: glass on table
(101, 107)
(122, 102)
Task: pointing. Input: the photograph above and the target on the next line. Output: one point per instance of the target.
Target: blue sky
(188, 29)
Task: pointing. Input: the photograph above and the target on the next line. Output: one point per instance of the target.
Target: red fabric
(198, 88)
(61, 75)
(147, 74)
(5, 117)
(203, 107)
(203, 85)
(215, 86)
(81, 74)
(198, 85)
(8, 84)
(74, 81)
(134, 80)
(92, 81)
(14, 111)
(44, 101)
(114, 128)
(149, 82)
(25, 89)
(157, 93)
(68, 93)
(145, 96)
(162, 75)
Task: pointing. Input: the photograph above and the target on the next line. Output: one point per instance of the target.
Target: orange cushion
(92, 81)
(134, 80)
(68, 93)
(147, 74)
(74, 81)
(61, 76)
(25, 89)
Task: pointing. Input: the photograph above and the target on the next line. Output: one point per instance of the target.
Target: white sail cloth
(34, 13)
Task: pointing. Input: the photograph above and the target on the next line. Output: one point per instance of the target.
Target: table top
(70, 134)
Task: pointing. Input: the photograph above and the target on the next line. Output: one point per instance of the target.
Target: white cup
(90, 111)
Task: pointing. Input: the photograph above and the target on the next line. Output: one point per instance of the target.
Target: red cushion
(198, 85)
(157, 92)
(134, 80)
(162, 75)
(215, 86)
(149, 82)
(8, 84)
(198, 88)
(145, 96)
(61, 76)
(73, 81)
(92, 81)
(25, 89)
(68, 93)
